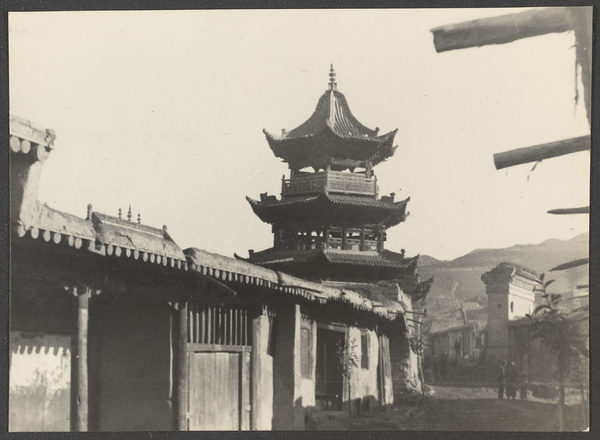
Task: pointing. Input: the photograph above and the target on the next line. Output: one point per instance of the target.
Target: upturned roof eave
(328, 130)
(393, 214)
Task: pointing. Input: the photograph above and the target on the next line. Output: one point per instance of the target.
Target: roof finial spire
(332, 83)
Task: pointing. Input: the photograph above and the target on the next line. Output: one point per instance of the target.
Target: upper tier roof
(332, 131)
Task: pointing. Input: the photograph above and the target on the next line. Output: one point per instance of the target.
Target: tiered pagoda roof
(327, 208)
(385, 259)
(332, 131)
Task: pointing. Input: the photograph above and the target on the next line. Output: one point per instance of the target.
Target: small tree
(417, 344)
(562, 336)
(348, 361)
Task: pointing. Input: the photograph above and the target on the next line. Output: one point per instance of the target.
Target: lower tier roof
(385, 259)
(330, 209)
(337, 264)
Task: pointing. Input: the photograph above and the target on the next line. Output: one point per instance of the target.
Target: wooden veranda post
(81, 418)
(260, 330)
(180, 370)
(80, 382)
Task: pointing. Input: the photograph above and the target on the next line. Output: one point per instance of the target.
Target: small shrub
(544, 391)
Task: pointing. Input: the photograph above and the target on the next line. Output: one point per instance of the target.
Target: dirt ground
(451, 408)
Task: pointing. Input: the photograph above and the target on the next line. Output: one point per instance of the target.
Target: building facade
(114, 327)
(511, 296)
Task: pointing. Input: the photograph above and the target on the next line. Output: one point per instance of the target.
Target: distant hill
(458, 282)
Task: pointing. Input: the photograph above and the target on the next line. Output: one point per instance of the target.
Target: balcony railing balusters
(330, 181)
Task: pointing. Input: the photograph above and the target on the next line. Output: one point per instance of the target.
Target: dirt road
(479, 409)
(454, 408)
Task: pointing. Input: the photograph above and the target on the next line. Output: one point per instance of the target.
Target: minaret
(511, 295)
(330, 222)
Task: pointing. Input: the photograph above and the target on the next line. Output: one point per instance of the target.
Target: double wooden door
(219, 390)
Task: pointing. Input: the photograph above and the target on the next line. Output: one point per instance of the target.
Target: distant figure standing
(501, 375)
(457, 348)
(512, 379)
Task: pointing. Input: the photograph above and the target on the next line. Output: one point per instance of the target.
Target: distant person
(457, 348)
(501, 376)
(512, 379)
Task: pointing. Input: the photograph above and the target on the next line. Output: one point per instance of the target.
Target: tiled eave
(330, 143)
(386, 259)
(234, 270)
(59, 228)
(379, 211)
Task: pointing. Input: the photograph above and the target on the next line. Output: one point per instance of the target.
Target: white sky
(165, 111)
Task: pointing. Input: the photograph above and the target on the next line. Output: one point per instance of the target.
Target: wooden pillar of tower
(362, 239)
(344, 233)
(380, 232)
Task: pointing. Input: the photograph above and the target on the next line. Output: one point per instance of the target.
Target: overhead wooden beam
(582, 210)
(501, 30)
(540, 152)
(571, 264)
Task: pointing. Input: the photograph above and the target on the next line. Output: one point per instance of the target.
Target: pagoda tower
(330, 223)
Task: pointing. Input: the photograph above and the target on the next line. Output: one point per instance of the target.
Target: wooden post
(380, 233)
(79, 361)
(344, 233)
(81, 370)
(257, 348)
(362, 239)
(181, 366)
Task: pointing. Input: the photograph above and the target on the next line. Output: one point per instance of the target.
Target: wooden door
(329, 386)
(219, 391)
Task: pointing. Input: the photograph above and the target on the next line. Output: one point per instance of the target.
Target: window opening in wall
(218, 326)
(364, 350)
(512, 306)
(272, 332)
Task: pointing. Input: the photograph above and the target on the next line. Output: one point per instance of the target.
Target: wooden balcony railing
(330, 181)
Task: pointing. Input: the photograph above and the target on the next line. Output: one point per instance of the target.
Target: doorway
(329, 385)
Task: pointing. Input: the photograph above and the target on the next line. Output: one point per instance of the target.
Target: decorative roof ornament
(129, 214)
(332, 82)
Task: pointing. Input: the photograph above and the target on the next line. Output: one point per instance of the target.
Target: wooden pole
(81, 370)
(181, 367)
(500, 30)
(571, 264)
(563, 211)
(540, 152)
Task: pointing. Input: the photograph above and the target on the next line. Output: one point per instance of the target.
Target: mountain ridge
(458, 281)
